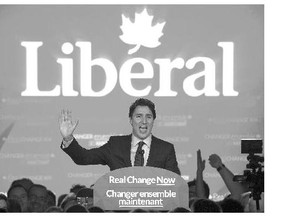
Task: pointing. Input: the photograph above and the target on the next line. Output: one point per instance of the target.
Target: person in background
(25, 182)
(19, 193)
(198, 188)
(3, 203)
(235, 188)
(76, 187)
(231, 205)
(205, 205)
(60, 199)
(37, 198)
(51, 199)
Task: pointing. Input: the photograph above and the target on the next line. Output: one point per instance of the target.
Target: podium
(147, 188)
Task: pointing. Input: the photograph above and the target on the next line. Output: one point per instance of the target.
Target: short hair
(76, 208)
(54, 209)
(180, 209)
(51, 194)
(60, 199)
(95, 209)
(15, 186)
(25, 182)
(76, 187)
(206, 187)
(231, 205)
(205, 205)
(37, 185)
(138, 210)
(142, 102)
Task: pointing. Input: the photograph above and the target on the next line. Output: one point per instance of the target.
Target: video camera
(255, 175)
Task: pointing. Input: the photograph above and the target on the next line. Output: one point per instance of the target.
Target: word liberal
(126, 76)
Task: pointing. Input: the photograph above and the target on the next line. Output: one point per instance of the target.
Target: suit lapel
(153, 152)
(127, 150)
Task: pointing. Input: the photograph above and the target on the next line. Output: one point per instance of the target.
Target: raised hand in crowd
(235, 188)
(67, 125)
(200, 189)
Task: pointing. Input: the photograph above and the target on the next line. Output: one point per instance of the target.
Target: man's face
(37, 199)
(20, 194)
(142, 122)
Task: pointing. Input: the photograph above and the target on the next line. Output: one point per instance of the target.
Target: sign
(141, 187)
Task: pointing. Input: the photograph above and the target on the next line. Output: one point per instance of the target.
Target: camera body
(254, 175)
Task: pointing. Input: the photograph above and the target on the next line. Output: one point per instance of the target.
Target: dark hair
(180, 209)
(139, 210)
(206, 187)
(76, 187)
(231, 205)
(15, 186)
(51, 194)
(25, 182)
(142, 102)
(37, 185)
(76, 208)
(205, 205)
(60, 199)
(54, 209)
(95, 209)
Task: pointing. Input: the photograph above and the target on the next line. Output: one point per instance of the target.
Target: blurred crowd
(24, 195)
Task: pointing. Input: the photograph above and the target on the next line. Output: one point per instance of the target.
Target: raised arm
(235, 188)
(200, 189)
(69, 145)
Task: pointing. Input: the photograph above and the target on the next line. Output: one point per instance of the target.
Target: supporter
(139, 210)
(68, 201)
(19, 193)
(51, 199)
(95, 209)
(54, 209)
(231, 205)
(60, 199)
(13, 205)
(198, 187)
(205, 205)
(180, 209)
(3, 203)
(37, 198)
(76, 208)
(235, 188)
(85, 197)
(76, 187)
(25, 182)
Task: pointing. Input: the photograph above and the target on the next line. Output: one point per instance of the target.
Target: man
(19, 193)
(139, 148)
(37, 198)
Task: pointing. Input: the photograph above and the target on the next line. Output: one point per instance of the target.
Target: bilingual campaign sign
(147, 188)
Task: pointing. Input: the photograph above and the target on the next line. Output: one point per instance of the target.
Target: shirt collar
(136, 140)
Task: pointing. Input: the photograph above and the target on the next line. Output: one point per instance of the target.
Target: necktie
(139, 157)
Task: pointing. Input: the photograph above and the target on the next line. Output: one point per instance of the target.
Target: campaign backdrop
(202, 66)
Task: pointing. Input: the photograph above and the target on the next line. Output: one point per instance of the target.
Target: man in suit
(140, 148)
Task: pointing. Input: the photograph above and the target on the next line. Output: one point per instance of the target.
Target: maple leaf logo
(141, 32)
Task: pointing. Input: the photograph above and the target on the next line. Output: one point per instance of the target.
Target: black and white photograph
(134, 107)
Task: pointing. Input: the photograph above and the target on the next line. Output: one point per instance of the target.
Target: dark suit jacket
(116, 154)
